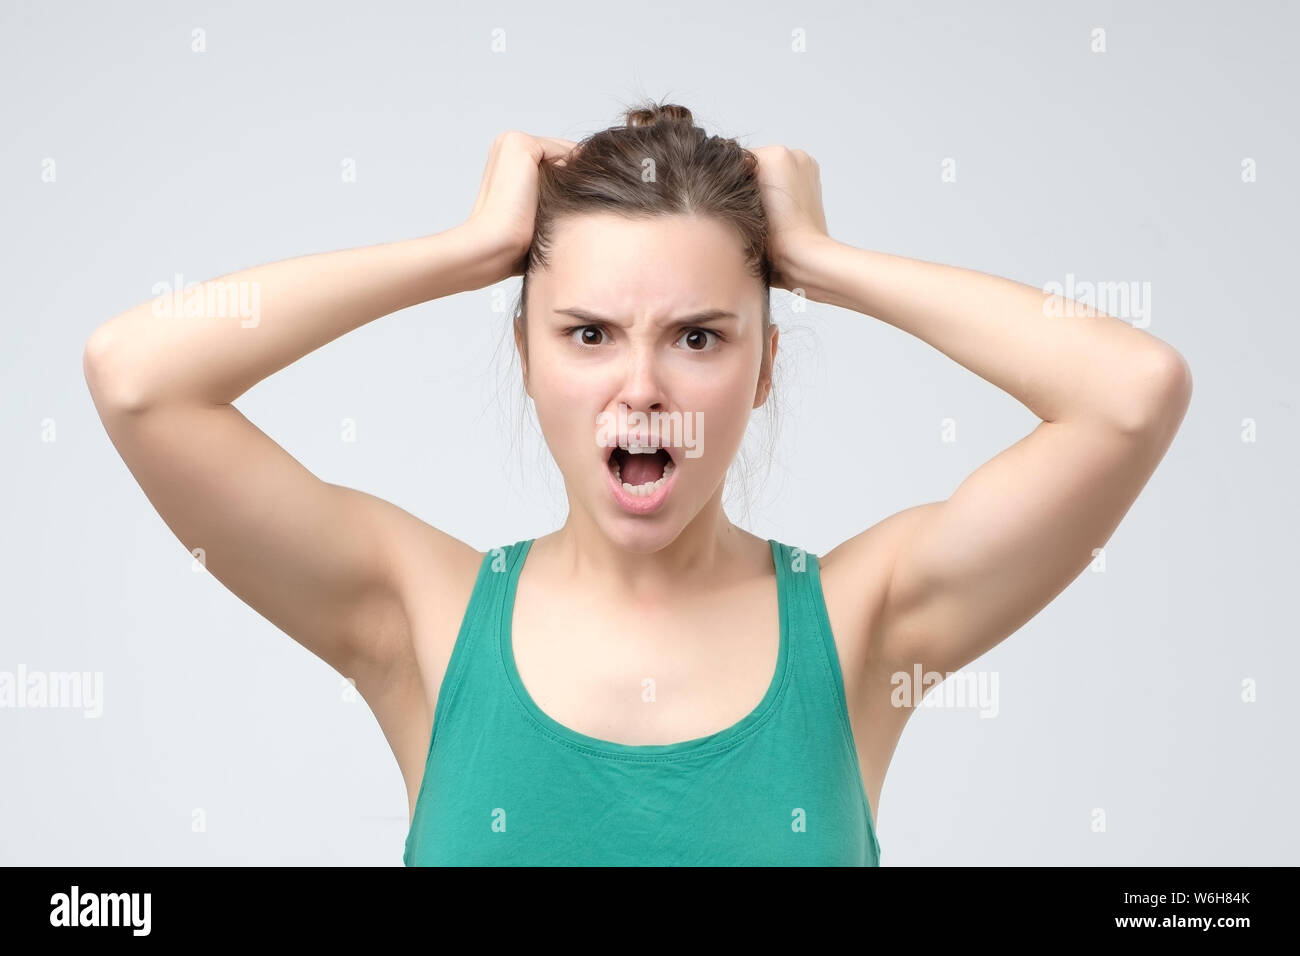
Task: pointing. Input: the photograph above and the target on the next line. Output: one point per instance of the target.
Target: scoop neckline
(696, 745)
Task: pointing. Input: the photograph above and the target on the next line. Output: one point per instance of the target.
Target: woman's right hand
(504, 213)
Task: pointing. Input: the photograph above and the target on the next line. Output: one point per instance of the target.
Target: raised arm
(322, 562)
(316, 559)
(958, 576)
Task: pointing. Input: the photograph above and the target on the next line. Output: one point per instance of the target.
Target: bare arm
(316, 559)
(964, 573)
(255, 322)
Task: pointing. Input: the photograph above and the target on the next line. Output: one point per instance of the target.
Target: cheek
(558, 377)
(566, 413)
(726, 391)
(719, 422)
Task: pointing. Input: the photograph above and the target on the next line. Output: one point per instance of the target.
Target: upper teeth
(649, 486)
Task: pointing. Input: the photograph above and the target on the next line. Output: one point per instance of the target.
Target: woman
(649, 684)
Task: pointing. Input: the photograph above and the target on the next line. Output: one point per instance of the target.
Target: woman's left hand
(790, 182)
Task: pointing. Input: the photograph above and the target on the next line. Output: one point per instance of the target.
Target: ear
(765, 386)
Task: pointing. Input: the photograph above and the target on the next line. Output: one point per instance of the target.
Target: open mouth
(642, 473)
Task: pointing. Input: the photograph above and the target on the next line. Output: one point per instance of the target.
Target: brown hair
(659, 163)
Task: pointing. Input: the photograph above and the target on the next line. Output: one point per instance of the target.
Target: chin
(639, 535)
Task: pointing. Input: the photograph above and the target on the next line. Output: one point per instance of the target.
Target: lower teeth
(649, 488)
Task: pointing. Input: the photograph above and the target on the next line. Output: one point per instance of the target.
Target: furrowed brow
(708, 315)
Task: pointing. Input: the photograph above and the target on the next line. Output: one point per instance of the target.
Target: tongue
(639, 469)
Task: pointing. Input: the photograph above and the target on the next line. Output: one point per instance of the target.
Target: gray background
(1124, 694)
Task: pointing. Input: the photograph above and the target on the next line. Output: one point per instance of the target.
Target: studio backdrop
(1139, 156)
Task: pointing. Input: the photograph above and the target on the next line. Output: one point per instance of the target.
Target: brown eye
(590, 334)
(697, 339)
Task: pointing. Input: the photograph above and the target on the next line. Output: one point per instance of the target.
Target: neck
(644, 566)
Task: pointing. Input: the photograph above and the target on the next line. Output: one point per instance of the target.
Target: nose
(642, 388)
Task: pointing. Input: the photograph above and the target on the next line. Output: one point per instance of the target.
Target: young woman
(648, 684)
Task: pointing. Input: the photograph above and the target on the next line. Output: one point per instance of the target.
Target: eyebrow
(707, 315)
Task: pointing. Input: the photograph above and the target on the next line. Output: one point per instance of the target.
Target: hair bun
(656, 114)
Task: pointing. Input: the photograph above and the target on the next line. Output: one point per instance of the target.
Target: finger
(557, 149)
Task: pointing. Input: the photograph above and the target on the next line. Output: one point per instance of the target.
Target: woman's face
(613, 353)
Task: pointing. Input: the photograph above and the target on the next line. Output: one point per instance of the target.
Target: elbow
(94, 356)
(1163, 393)
(111, 387)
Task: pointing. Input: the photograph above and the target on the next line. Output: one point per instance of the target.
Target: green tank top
(506, 785)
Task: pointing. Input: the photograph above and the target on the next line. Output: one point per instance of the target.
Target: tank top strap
(799, 574)
(476, 642)
(820, 677)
